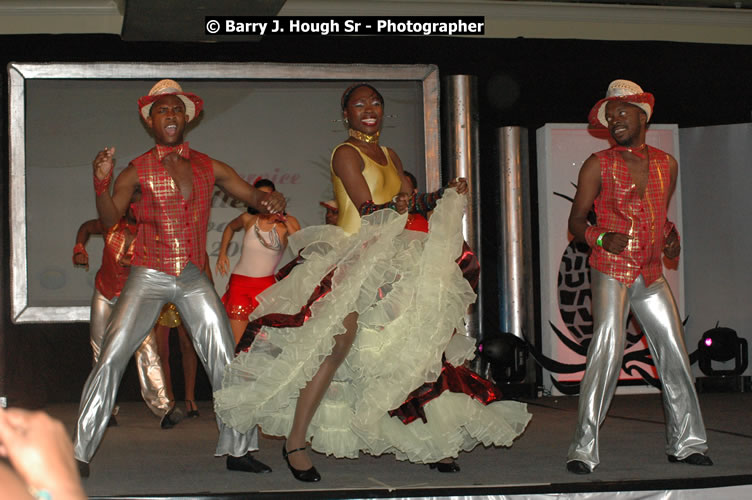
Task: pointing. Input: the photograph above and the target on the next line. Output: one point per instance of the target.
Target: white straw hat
(193, 103)
(622, 90)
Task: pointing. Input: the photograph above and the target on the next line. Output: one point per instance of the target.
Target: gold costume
(383, 180)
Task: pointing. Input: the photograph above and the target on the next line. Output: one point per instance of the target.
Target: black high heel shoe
(309, 475)
(445, 467)
(192, 408)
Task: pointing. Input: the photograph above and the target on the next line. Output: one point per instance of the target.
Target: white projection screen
(278, 121)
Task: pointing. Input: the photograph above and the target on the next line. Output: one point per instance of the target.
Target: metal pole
(515, 266)
(461, 158)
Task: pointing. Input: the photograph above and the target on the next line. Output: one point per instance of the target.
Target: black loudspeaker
(184, 20)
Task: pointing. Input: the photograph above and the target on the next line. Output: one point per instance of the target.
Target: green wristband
(599, 241)
(40, 494)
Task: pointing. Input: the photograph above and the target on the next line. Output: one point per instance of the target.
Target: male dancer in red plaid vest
(176, 185)
(630, 186)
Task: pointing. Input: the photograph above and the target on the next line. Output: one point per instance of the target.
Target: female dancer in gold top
(331, 366)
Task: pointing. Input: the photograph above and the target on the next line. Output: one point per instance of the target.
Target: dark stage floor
(138, 459)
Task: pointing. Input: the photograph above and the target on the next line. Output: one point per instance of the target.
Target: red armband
(79, 248)
(100, 186)
(424, 202)
(669, 226)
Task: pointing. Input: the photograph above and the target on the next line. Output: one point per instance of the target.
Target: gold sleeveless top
(383, 181)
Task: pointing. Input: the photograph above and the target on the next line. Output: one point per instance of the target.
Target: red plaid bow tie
(638, 151)
(181, 149)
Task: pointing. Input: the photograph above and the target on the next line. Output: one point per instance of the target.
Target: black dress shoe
(171, 418)
(693, 459)
(247, 463)
(193, 411)
(445, 467)
(578, 467)
(309, 475)
(83, 468)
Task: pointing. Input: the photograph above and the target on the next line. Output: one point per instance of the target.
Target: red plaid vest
(112, 276)
(171, 229)
(618, 208)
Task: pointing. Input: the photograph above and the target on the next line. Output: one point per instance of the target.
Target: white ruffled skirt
(411, 297)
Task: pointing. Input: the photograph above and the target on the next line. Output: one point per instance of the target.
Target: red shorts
(240, 297)
(416, 222)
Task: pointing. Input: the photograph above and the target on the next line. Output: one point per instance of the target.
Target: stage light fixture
(507, 355)
(722, 344)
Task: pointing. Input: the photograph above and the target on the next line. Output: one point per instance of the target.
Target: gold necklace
(370, 139)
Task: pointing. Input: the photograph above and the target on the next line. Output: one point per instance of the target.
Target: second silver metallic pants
(148, 365)
(656, 311)
(135, 312)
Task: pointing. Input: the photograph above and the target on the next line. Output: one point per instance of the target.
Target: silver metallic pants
(133, 316)
(656, 311)
(148, 365)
